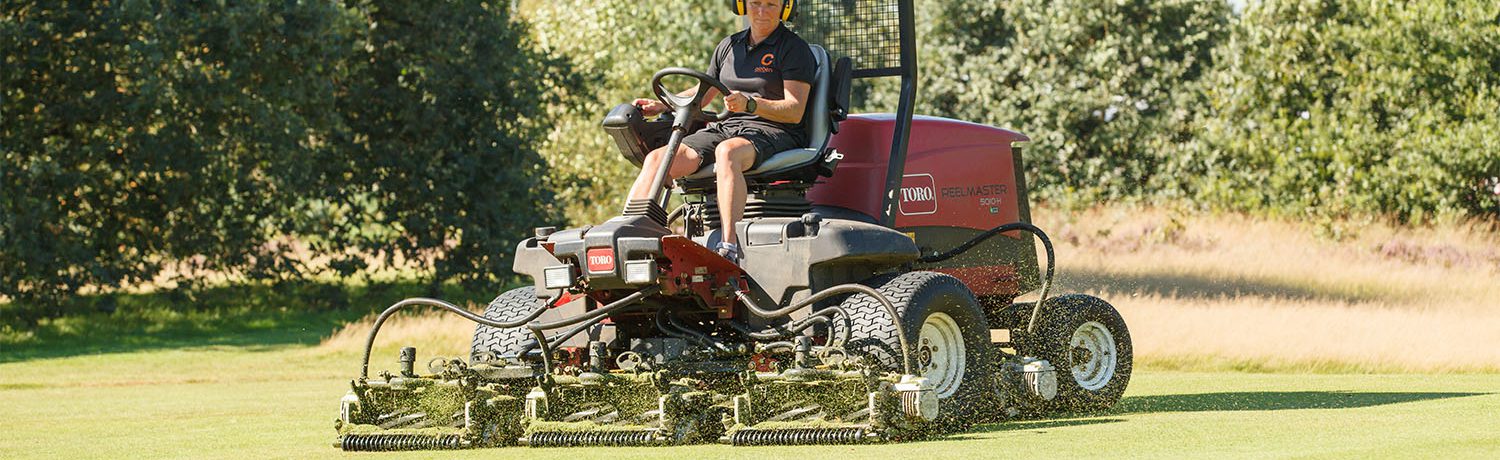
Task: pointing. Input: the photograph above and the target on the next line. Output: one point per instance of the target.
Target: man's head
(765, 12)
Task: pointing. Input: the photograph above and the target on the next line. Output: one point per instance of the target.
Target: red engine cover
(959, 179)
(958, 173)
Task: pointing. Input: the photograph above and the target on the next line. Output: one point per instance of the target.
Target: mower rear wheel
(1085, 338)
(509, 306)
(946, 329)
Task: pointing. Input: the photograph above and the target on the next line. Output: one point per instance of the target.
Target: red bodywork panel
(958, 175)
(691, 267)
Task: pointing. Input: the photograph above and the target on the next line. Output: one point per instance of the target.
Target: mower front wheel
(946, 330)
(506, 343)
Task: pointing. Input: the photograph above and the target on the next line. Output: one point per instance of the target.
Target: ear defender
(788, 8)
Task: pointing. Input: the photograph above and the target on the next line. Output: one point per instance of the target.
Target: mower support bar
(590, 318)
(364, 371)
(833, 291)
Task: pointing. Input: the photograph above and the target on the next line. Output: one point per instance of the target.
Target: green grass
(279, 401)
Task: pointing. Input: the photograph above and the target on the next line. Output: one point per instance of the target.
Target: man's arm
(653, 107)
(786, 110)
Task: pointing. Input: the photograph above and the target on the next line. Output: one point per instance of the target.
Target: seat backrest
(817, 116)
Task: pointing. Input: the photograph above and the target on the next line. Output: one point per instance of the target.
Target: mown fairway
(259, 402)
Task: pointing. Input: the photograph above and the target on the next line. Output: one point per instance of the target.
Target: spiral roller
(593, 438)
(394, 442)
(794, 436)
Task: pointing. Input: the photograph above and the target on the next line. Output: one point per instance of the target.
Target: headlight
(558, 277)
(640, 272)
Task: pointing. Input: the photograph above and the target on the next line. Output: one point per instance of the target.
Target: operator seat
(820, 128)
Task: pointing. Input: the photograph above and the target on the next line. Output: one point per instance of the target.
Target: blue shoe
(730, 251)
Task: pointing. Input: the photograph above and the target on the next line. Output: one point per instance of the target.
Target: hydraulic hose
(582, 322)
(833, 291)
(782, 332)
(822, 316)
(559, 339)
(599, 312)
(714, 344)
(364, 371)
(671, 327)
(1023, 226)
(677, 213)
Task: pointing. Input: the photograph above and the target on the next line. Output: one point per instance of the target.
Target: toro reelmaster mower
(875, 300)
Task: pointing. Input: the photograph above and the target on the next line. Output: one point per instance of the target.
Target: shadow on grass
(261, 316)
(1272, 400)
(1205, 287)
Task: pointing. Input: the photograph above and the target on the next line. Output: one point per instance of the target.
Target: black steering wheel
(693, 104)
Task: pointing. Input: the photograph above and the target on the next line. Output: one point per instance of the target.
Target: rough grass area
(1204, 291)
(226, 402)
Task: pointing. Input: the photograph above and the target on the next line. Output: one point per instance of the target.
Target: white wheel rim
(940, 354)
(1092, 352)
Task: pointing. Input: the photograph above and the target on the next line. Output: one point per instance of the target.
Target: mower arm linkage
(890, 309)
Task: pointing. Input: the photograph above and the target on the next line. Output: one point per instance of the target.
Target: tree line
(141, 139)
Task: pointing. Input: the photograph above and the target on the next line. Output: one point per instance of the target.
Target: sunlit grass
(1212, 291)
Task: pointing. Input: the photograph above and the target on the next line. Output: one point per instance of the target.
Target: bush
(443, 115)
(1099, 86)
(1330, 107)
(137, 135)
(143, 139)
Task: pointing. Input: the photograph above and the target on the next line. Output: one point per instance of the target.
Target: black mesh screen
(869, 31)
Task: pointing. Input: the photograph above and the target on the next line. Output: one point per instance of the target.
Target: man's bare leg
(686, 161)
(731, 158)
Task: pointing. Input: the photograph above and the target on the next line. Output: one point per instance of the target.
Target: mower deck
(860, 312)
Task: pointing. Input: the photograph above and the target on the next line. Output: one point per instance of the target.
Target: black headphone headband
(788, 8)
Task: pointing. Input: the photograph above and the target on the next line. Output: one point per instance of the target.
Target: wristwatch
(750, 105)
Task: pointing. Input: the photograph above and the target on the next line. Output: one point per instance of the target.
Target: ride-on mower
(875, 299)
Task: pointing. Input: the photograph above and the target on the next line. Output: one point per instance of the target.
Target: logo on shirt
(765, 63)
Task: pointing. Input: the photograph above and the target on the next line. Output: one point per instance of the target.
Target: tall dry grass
(1214, 291)
(1223, 291)
(432, 333)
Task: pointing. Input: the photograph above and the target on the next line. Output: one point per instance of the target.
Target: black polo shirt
(762, 69)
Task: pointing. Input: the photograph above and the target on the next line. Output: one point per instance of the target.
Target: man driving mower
(768, 70)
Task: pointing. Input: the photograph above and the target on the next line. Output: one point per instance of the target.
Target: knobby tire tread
(509, 306)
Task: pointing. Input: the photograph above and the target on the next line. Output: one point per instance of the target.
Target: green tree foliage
(1099, 85)
(443, 116)
(142, 136)
(618, 46)
(138, 134)
(1332, 106)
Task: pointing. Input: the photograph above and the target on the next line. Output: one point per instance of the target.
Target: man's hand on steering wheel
(689, 104)
(650, 107)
